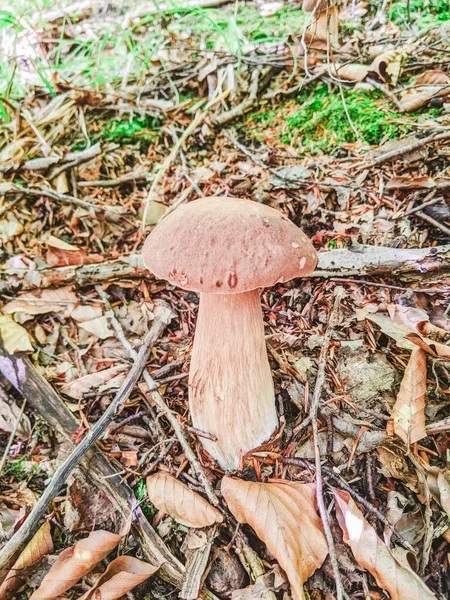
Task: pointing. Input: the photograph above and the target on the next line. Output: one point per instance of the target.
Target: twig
(130, 178)
(74, 459)
(433, 222)
(320, 381)
(159, 401)
(12, 436)
(425, 204)
(431, 139)
(391, 287)
(66, 198)
(406, 264)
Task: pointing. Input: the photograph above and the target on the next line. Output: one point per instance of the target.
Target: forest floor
(113, 115)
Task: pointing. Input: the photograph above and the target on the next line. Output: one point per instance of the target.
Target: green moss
(266, 118)
(21, 472)
(133, 130)
(421, 12)
(321, 123)
(141, 495)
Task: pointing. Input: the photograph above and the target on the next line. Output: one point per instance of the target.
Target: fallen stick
(393, 154)
(316, 397)
(15, 372)
(404, 264)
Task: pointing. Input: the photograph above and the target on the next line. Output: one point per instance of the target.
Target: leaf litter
(222, 100)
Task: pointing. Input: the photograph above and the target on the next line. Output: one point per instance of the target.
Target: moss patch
(132, 131)
(421, 12)
(322, 122)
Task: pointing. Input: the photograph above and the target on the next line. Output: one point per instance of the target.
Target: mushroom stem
(231, 392)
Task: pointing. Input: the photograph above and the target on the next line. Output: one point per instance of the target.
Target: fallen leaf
(76, 562)
(268, 9)
(98, 327)
(428, 85)
(122, 575)
(284, 517)
(9, 228)
(86, 506)
(372, 554)
(14, 337)
(388, 65)
(78, 387)
(408, 412)
(350, 72)
(43, 301)
(60, 253)
(407, 336)
(86, 312)
(438, 481)
(9, 413)
(39, 546)
(410, 183)
(174, 498)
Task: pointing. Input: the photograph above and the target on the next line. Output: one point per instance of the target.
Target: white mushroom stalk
(227, 249)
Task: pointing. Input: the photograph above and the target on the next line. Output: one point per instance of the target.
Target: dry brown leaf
(372, 554)
(284, 517)
(122, 575)
(39, 546)
(75, 562)
(408, 412)
(410, 183)
(388, 65)
(78, 387)
(43, 301)
(406, 335)
(60, 254)
(185, 506)
(433, 77)
(14, 337)
(438, 481)
(351, 72)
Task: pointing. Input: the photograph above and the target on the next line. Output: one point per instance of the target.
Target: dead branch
(320, 381)
(22, 536)
(413, 264)
(393, 154)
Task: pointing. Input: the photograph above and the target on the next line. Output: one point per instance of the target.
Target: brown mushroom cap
(227, 246)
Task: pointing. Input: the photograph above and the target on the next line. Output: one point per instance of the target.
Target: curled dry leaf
(388, 65)
(284, 517)
(75, 562)
(60, 254)
(43, 301)
(372, 554)
(351, 72)
(430, 84)
(408, 412)
(406, 335)
(14, 337)
(39, 546)
(122, 575)
(185, 506)
(439, 483)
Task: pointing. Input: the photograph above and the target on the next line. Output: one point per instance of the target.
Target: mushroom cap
(227, 245)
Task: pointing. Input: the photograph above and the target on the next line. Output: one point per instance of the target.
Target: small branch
(159, 401)
(110, 211)
(433, 222)
(406, 264)
(320, 381)
(393, 154)
(62, 473)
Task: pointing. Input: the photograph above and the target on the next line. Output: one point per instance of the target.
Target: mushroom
(227, 249)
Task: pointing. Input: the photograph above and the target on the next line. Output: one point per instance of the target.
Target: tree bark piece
(411, 264)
